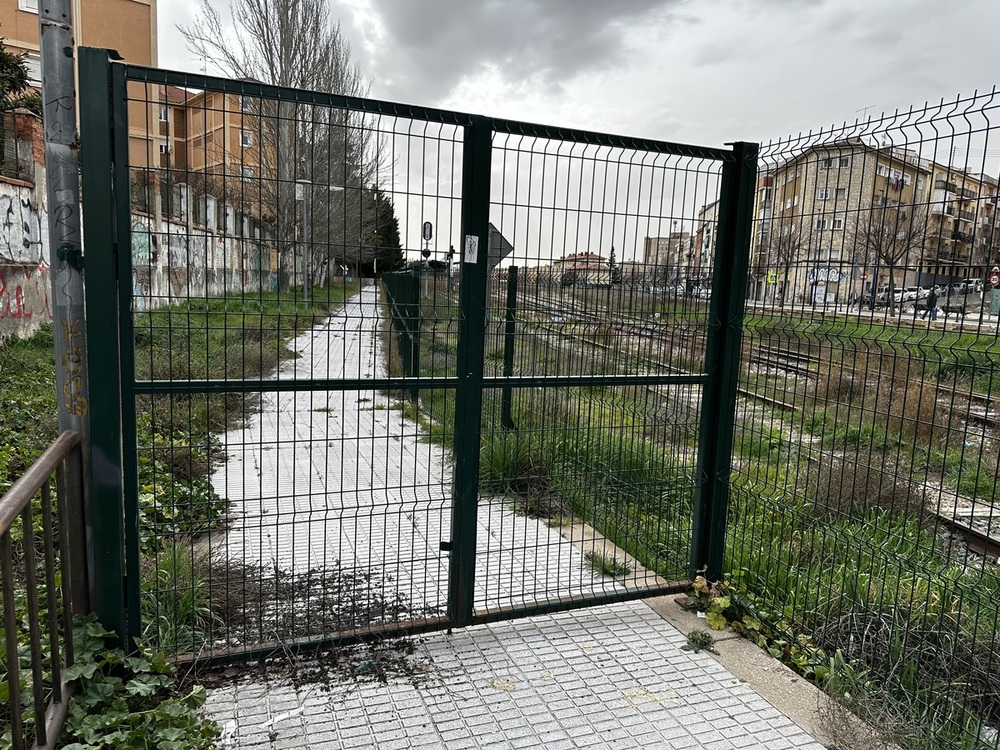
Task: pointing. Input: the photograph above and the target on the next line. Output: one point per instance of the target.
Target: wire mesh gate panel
(504, 423)
(601, 267)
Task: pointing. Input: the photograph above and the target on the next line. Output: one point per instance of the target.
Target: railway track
(779, 358)
(783, 359)
(977, 541)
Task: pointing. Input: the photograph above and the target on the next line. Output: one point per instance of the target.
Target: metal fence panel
(383, 370)
(865, 469)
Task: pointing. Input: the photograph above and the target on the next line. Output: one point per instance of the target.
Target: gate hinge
(445, 546)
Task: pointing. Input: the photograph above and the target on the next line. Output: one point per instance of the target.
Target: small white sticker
(471, 248)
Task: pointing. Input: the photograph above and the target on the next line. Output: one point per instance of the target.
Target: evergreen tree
(15, 84)
(381, 248)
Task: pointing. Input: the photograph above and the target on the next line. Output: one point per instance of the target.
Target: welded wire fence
(506, 422)
(596, 342)
(866, 461)
(276, 494)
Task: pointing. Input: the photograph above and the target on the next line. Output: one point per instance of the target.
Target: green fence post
(507, 399)
(476, 165)
(722, 362)
(403, 291)
(104, 512)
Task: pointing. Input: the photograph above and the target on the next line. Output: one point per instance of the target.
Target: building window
(246, 103)
(841, 194)
(164, 148)
(29, 5)
(845, 161)
(163, 113)
(827, 163)
(33, 64)
(822, 194)
(246, 172)
(838, 223)
(821, 223)
(246, 138)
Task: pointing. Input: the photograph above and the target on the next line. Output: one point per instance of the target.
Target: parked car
(914, 293)
(971, 286)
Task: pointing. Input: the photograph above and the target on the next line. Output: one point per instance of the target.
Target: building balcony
(941, 208)
(951, 187)
(960, 236)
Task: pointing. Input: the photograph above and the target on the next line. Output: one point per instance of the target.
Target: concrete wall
(171, 262)
(24, 300)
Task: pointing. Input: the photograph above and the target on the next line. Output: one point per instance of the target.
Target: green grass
(28, 409)
(235, 337)
(607, 565)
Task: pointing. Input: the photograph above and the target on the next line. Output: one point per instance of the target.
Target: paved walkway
(322, 480)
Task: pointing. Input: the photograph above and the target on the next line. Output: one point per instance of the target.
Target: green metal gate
(304, 433)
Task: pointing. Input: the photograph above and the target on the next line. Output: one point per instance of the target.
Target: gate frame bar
(722, 362)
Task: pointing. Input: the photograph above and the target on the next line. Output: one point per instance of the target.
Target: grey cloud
(435, 43)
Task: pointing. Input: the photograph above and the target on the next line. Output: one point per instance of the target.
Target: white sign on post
(471, 248)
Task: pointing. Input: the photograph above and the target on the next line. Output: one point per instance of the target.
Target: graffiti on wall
(143, 243)
(21, 227)
(24, 300)
(24, 293)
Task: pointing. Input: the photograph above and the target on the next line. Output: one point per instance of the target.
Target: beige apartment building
(209, 160)
(814, 211)
(963, 236)
(128, 26)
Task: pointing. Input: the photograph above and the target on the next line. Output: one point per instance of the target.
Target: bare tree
(891, 235)
(784, 247)
(296, 44)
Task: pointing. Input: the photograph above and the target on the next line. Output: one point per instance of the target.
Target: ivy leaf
(143, 686)
(715, 621)
(751, 623)
(197, 697)
(81, 669)
(138, 664)
(720, 604)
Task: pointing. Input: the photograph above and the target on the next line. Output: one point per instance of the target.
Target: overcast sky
(705, 71)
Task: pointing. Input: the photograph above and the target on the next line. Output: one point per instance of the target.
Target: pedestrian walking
(931, 308)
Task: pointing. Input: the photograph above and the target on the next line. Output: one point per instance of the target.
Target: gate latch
(445, 546)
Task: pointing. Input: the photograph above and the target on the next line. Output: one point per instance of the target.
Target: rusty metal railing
(63, 551)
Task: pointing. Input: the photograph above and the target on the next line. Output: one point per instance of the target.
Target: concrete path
(322, 480)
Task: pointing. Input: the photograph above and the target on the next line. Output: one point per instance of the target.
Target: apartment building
(128, 26)
(672, 256)
(821, 213)
(705, 237)
(963, 237)
(209, 160)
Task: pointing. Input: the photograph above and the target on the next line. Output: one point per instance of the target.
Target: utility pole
(63, 193)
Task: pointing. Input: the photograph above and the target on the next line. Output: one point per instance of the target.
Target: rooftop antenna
(864, 110)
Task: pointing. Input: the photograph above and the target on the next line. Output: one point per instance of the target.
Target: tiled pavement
(611, 676)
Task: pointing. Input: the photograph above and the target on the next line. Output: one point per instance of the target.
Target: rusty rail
(65, 553)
